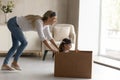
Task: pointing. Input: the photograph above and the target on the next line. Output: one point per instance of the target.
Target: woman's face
(67, 46)
(52, 20)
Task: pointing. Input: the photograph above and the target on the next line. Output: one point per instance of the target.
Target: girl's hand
(76, 51)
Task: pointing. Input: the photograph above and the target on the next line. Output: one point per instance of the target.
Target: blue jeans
(17, 37)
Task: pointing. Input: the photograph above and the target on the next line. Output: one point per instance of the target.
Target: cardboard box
(73, 64)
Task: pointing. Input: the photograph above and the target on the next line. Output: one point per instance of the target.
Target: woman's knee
(15, 45)
(24, 43)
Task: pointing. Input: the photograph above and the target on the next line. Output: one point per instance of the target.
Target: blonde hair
(33, 18)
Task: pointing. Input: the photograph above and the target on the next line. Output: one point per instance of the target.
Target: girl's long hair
(33, 18)
(64, 41)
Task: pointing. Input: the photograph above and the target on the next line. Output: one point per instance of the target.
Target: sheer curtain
(110, 29)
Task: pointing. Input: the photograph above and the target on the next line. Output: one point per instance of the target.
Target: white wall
(37, 7)
(89, 25)
(24, 7)
(86, 12)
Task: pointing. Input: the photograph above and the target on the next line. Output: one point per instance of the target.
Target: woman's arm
(49, 36)
(53, 42)
(39, 29)
(44, 32)
(46, 43)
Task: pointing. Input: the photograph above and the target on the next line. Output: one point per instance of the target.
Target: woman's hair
(33, 18)
(48, 14)
(64, 41)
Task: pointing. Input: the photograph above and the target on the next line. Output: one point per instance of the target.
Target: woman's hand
(55, 51)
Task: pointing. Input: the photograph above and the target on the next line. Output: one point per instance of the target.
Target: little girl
(65, 45)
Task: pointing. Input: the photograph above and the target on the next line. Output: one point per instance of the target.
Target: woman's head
(49, 17)
(65, 45)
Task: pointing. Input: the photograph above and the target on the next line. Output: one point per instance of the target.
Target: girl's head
(65, 45)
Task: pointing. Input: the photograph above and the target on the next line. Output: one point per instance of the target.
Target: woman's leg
(23, 43)
(12, 27)
(11, 52)
(17, 35)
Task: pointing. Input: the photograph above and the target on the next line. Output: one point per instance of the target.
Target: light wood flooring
(34, 68)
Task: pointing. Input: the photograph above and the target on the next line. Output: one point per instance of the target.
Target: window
(110, 29)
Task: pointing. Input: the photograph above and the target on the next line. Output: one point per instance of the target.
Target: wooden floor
(33, 68)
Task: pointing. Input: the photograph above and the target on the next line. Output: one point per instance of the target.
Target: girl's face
(52, 20)
(67, 46)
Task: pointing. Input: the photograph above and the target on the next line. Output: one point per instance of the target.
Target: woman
(65, 45)
(17, 25)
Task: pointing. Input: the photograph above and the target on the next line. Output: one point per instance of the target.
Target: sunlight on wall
(89, 25)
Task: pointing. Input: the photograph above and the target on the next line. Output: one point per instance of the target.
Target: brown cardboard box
(73, 64)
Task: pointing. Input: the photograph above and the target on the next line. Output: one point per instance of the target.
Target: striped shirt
(43, 31)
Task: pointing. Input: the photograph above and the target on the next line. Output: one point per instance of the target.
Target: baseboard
(25, 53)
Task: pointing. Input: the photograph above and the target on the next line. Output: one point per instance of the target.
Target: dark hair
(48, 14)
(64, 41)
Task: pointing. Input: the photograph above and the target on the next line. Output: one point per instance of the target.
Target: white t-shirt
(43, 31)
